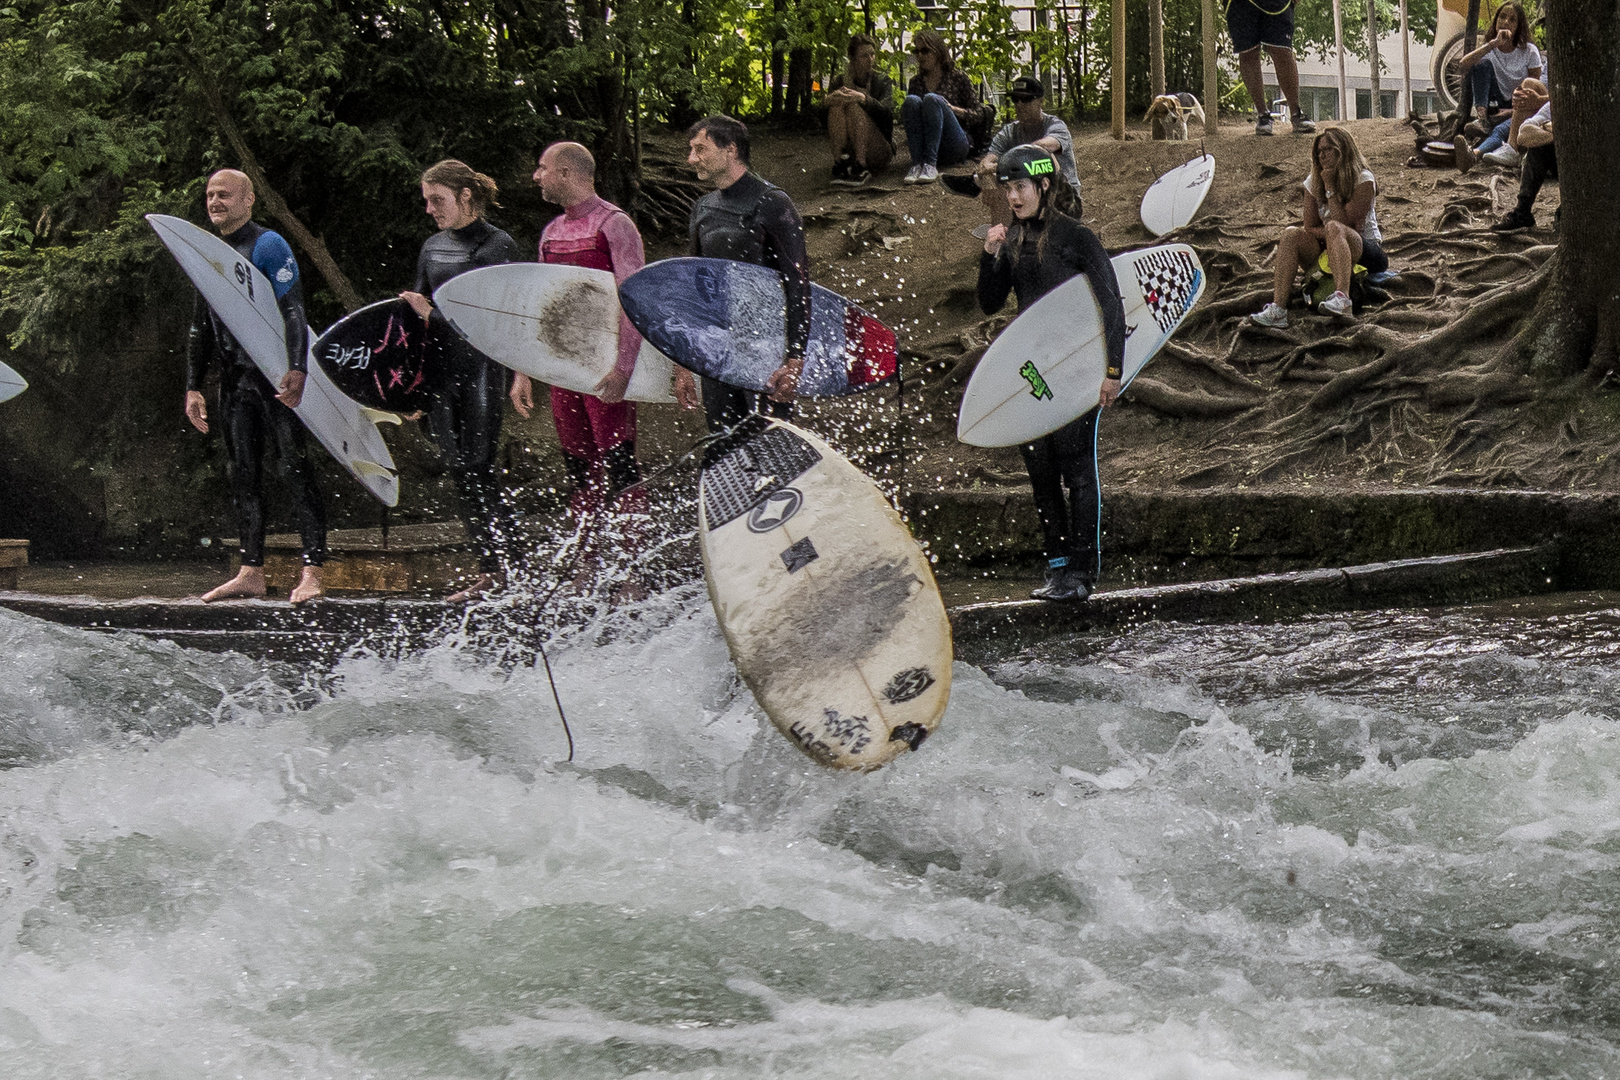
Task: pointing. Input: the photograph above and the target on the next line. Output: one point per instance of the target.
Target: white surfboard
(11, 383)
(243, 299)
(1173, 199)
(828, 604)
(556, 324)
(1047, 367)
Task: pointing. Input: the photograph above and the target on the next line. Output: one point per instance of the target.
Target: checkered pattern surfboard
(1170, 282)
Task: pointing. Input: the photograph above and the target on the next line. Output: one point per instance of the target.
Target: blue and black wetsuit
(1068, 456)
(754, 222)
(249, 413)
(469, 391)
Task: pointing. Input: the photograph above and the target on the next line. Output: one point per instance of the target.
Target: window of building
(1387, 100)
(1319, 102)
(1425, 101)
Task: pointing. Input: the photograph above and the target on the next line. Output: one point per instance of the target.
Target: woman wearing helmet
(1039, 251)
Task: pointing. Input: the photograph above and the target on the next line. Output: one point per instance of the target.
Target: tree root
(1185, 403)
(1215, 365)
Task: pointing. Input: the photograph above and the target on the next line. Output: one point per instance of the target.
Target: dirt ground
(1226, 403)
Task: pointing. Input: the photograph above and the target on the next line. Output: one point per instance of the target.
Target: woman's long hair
(1351, 165)
(1521, 32)
(932, 39)
(457, 176)
(1043, 213)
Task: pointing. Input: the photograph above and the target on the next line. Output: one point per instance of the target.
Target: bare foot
(484, 584)
(308, 587)
(247, 584)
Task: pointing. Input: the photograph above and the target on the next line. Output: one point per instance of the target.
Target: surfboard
(827, 603)
(728, 320)
(378, 356)
(11, 383)
(1047, 367)
(1173, 199)
(556, 324)
(242, 298)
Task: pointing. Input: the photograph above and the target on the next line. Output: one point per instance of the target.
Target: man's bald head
(566, 174)
(230, 200)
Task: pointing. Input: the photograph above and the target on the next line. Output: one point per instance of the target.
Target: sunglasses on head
(920, 50)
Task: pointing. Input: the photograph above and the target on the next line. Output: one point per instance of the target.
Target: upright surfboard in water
(828, 604)
(1173, 199)
(11, 383)
(728, 320)
(379, 357)
(556, 324)
(1047, 367)
(243, 299)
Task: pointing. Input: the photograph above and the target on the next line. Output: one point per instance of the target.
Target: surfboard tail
(381, 416)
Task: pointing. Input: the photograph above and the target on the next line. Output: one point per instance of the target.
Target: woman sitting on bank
(942, 113)
(860, 116)
(1339, 217)
(1495, 70)
(1040, 251)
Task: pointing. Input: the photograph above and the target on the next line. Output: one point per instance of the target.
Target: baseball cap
(1026, 88)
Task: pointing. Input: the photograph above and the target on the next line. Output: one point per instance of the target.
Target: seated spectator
(943, 116)
(1033, 126)
(860, 116)
(1339, 217)
(1498, 148)
(1512, 57)
(1533, 138)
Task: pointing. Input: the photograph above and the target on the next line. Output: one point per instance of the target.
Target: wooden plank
(13, 553)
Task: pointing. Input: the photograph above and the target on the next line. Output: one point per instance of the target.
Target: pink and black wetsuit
(598, 439)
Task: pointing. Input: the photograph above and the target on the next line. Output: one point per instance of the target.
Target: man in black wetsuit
(752, 221)
(253, 412)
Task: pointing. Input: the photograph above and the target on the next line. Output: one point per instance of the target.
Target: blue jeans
(1496, 138)
(933, 134)
(1487, 94)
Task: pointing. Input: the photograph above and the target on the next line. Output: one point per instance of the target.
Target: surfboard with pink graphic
(380, 356)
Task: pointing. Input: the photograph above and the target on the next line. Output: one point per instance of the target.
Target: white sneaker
(1503, 155)
(1337, 304)
(1271, 315)
(928, 175)
(914, 174)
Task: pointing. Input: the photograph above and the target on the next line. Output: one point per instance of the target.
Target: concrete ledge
(980, 629)
(13, 555)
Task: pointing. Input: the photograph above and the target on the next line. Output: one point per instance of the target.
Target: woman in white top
(1512, 57)
(1339, 217)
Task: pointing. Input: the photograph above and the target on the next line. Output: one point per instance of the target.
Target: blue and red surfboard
(727, 320)
(379, 356)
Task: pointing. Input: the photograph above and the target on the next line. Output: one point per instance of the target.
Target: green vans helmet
(1027, 162)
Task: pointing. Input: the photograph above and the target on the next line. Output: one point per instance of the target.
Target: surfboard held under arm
(11, 383)
(242, 297)
(728, 320)
(1047, 367)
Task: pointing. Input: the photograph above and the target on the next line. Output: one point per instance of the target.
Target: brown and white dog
(1170, 113)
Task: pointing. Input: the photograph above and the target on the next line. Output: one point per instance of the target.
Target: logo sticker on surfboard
(782, 504)
(1037, 383)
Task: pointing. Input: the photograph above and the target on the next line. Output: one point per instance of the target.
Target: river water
(1382, 845)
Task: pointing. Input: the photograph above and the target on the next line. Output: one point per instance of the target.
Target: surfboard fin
(381, 416)
(371, 468)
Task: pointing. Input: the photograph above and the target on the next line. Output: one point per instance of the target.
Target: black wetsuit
(754, 222)
(469, 391)
(249, 413)
(1068, 456)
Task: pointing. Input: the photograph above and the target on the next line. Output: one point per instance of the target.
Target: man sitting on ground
(860, 116)
(1031, 126)
(1532, 137)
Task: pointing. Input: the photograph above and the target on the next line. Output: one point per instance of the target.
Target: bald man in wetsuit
(752, 221)
(252, 412)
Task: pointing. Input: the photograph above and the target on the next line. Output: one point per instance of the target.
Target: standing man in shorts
(1253, 23)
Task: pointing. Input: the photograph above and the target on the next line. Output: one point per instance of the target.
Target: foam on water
(1103, 867)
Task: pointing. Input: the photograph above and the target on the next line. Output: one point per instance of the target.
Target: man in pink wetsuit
(598, 433)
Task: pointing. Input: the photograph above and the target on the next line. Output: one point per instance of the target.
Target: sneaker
(1478, 128)
(1262, 126)
(914, 174)
(966, 185)
(858, 177)
(928, 175)
(1337, 304)
(1503, 155)
(1303, 125)
(1063, 583)
(1463, 153)
(1271, 315)
(1515, 220)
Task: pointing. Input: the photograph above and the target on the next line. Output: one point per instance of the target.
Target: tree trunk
(778, 76)
(277, 207)
(1372, 57)
(1156, 46)
(683, 110)
(799, 79)
(1578, 316)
